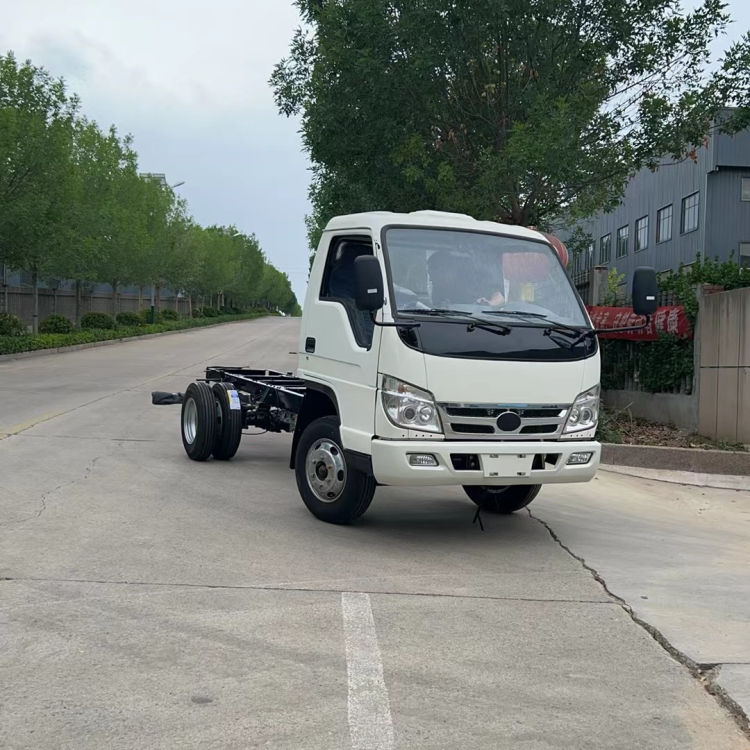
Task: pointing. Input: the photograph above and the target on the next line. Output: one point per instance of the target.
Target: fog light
(579, 458)
(422, 459)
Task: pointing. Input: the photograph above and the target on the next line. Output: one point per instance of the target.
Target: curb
(689, 478)
(108, 342)
(696, 460)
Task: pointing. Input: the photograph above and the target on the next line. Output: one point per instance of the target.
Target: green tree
(109, 224)
(512, 110)
(37, 121)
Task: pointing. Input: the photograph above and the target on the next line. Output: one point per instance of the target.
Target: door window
(338, 283)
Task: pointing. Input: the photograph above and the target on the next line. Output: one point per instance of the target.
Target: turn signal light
(422, 459)
(579, 458)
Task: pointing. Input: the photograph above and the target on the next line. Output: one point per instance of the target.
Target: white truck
(434, 350)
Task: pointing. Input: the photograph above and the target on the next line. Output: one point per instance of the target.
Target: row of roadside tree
(74, 206)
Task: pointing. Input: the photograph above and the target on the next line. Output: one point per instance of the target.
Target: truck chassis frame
(269, 400)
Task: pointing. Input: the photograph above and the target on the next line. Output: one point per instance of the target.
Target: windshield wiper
(438, 311)
(577, 333)
(490, 326)
(485, 325)
(514, 312)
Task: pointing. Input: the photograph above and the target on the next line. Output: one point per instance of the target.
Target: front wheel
(332, 490)
(502, 500)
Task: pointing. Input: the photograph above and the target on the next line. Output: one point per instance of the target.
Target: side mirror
(645, 291)
(368, 283)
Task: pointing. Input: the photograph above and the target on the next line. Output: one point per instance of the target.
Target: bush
(169, 315)
(197, 312)
(97, 320)
(16, 344)
(11, 325)
(56, 324)
(129, 319)
(210, 312)
(145, 316)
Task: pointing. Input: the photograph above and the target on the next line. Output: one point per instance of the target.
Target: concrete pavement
(678, 555)
(150, 601)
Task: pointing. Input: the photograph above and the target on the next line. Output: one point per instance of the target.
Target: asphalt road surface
(148, 601)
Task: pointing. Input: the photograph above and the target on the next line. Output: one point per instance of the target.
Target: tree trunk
(5, 289)
(54, 301)
(190, 305)
(140, 298)
(158, 297)
(114, 298)
(78, 303)
(35, 287)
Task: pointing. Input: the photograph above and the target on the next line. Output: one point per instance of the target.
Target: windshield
(516, 280)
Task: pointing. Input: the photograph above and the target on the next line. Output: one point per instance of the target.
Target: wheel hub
(325, 470)
(190, 421)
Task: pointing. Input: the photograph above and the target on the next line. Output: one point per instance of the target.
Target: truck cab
(440, 350)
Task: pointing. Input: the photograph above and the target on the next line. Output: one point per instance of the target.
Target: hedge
(11, 325)
(129, 319)
(56, 324)
(96, 320)
(29, 343)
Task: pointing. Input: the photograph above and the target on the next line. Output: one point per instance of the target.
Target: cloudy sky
(188, 79)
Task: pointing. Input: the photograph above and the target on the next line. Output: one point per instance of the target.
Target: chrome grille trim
(454, 415)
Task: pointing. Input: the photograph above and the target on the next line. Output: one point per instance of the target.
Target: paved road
(149, 601)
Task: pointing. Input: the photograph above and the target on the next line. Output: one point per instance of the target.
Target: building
(668, 216)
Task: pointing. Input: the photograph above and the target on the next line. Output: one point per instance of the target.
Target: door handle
(309, 344)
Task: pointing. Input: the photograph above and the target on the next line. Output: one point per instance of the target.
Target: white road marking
(370, 725)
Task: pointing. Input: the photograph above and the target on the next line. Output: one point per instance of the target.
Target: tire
(333, 491)
(229, 428)
(199, 421)
(503, 500)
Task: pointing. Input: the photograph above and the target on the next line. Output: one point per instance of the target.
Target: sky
(189, 80)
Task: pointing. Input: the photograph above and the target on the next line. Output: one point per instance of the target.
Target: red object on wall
(560, 248)
(669, 319)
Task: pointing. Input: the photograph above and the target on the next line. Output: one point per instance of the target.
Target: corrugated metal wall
(724, 220)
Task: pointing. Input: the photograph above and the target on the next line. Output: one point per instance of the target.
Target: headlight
(408, 406)
(584, 414)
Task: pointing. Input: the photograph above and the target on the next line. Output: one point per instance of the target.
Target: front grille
(474, 428)
(537, 421)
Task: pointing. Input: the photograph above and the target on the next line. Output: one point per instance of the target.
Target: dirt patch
(619, 426)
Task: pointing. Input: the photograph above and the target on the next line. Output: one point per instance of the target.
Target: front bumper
(549, 462)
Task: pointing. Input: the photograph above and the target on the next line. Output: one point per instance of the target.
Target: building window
(745, 195)
(589, 260)
(623, 237)
(605, 249)
(641, 233)
(664, 224)
(689, 220)
(745, 254)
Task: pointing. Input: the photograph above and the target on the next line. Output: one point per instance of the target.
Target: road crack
(296, 589)
(706, 674)
(44, 497)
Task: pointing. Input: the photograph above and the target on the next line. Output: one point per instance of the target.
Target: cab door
(339, 344)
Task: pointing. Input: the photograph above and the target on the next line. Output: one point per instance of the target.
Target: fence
(724, 366)
(715, 398)
(62, 301)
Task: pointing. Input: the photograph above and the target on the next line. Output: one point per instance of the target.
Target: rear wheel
(199, 421)
(502, 499)
(229, 427)
(332, 490)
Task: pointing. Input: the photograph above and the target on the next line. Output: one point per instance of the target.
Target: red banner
(671, 319)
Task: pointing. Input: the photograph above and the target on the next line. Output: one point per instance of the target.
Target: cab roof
(376, 220)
